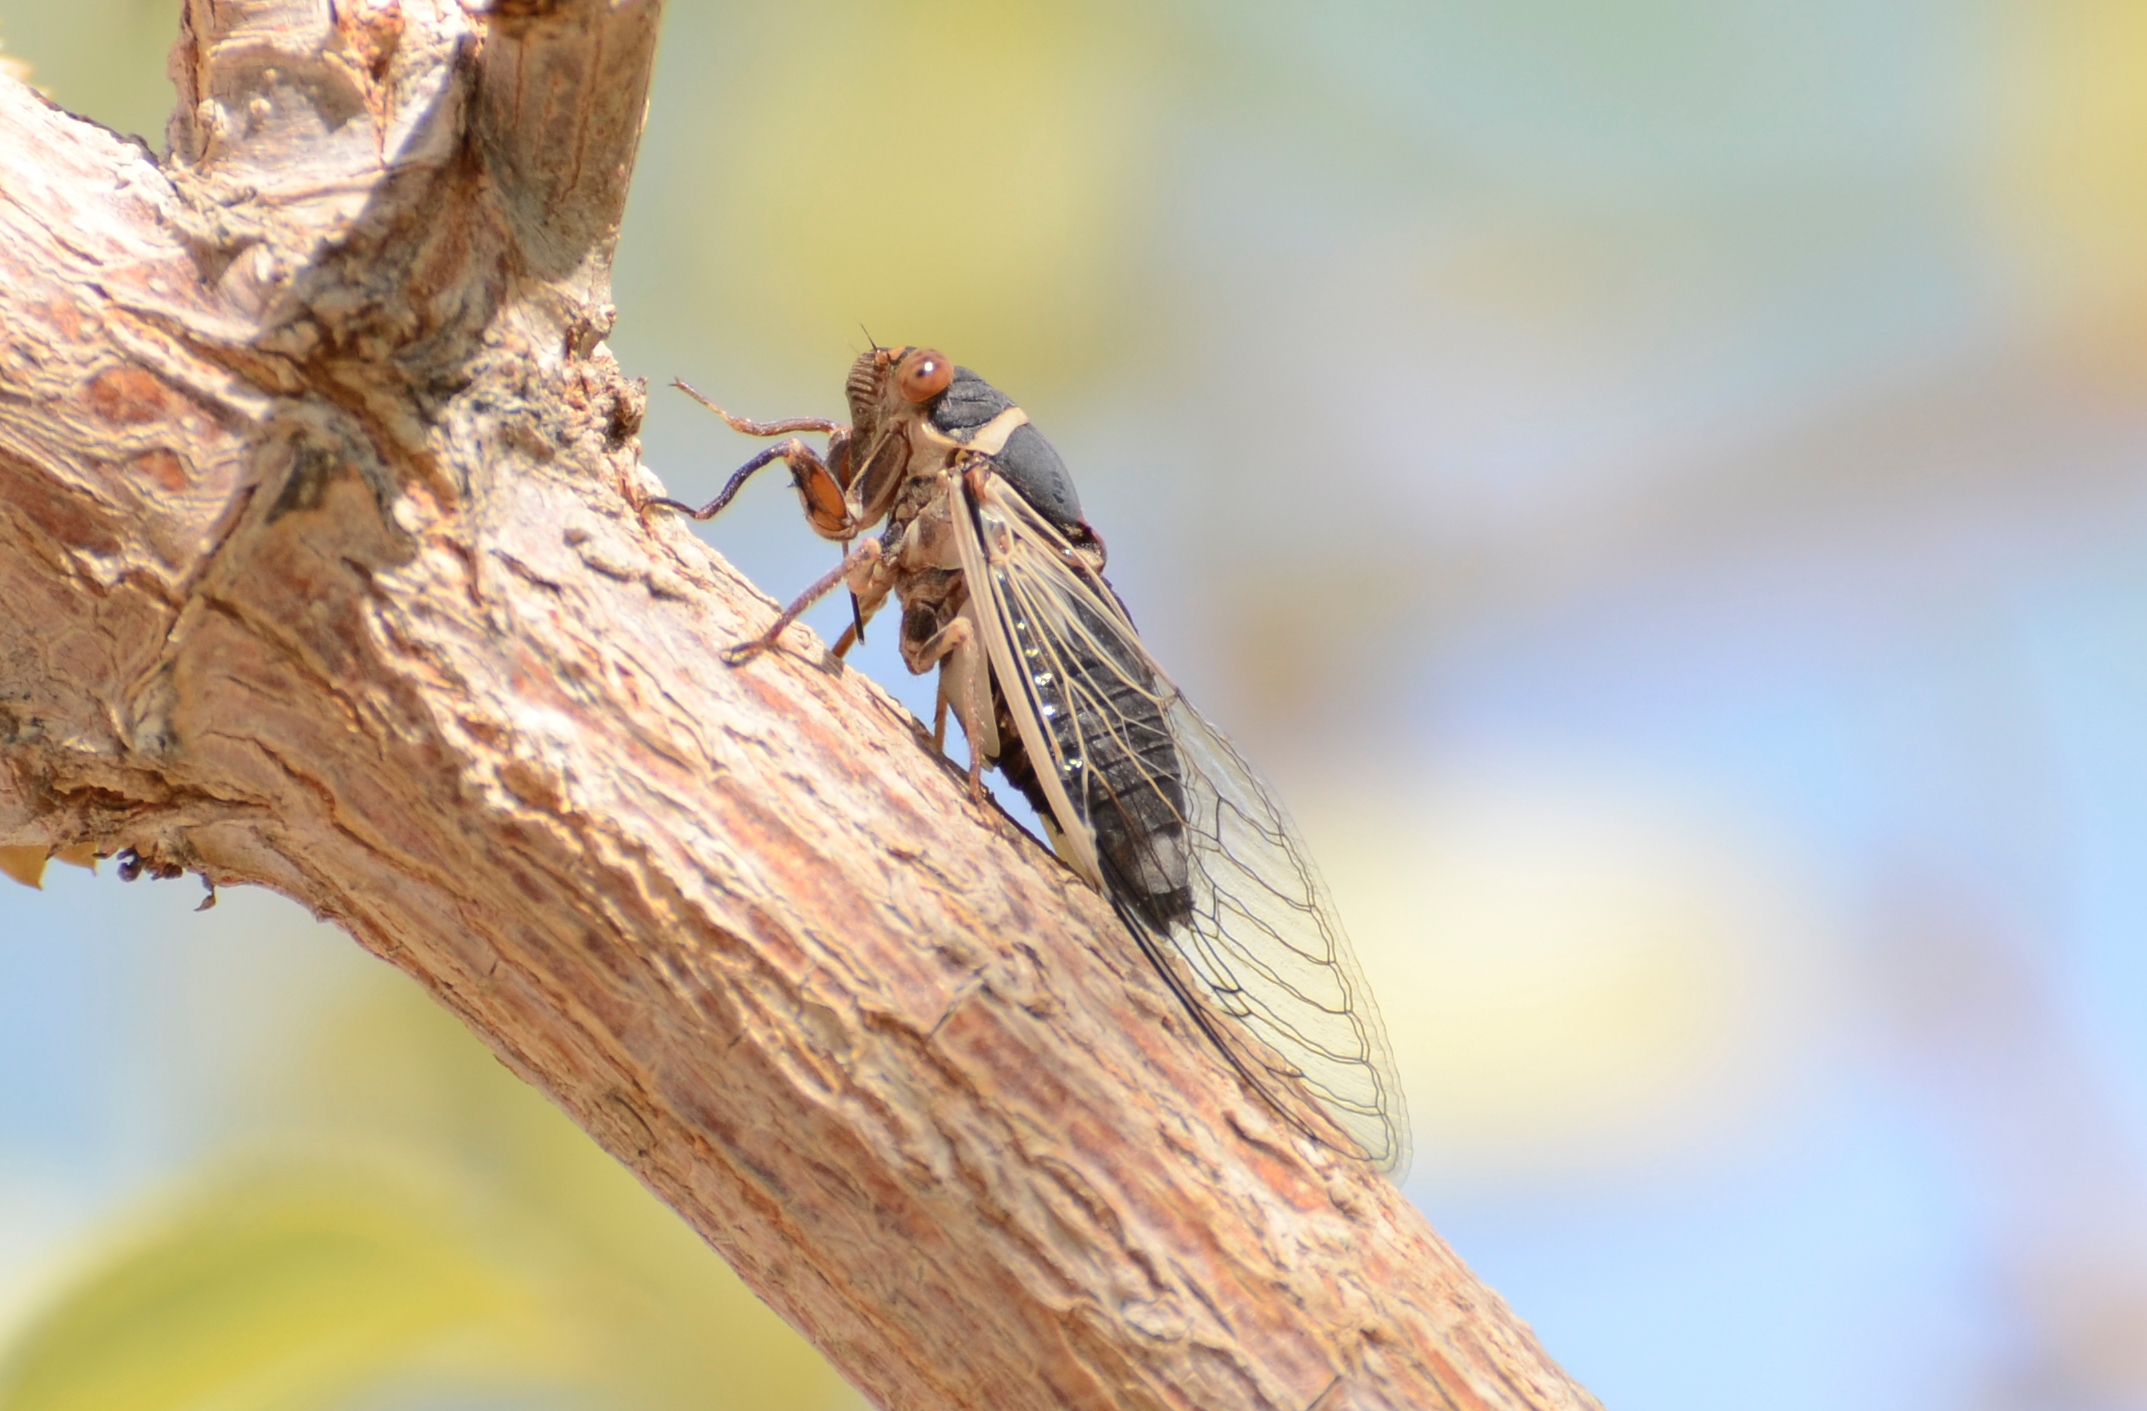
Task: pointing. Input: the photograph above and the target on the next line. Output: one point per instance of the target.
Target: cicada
(1000, 583)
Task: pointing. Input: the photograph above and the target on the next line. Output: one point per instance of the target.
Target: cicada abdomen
(1119, 772)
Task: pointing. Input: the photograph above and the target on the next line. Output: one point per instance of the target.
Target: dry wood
(322, 571)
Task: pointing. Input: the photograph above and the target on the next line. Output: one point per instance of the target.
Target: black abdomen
(1120, 768)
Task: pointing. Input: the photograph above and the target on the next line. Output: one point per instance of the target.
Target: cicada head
(885, 383)
(887, 386)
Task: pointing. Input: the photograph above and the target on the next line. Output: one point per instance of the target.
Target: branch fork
(318, 540)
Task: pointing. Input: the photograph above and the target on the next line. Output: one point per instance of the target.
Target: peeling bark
(322, 572)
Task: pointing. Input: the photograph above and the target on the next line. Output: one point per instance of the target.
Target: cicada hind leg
(933, 636)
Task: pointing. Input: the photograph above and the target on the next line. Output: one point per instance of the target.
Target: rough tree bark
(321, 571)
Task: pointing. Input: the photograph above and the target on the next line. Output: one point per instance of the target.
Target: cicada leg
(856, 569)
(955, 649)
(760, 428)
(860, 613)
(820, 482)
(816, 485)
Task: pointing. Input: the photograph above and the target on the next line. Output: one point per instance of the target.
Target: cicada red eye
(924, 374)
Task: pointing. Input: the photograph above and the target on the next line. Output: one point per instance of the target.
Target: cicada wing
(1155, 805)
(1266, 939)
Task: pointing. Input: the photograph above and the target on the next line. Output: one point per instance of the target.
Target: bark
(322, 571)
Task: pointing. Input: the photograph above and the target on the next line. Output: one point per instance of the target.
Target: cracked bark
(321, 572)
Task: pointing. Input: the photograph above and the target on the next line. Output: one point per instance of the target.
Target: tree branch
(317, 533)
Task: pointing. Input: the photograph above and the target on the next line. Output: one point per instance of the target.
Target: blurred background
(1661, 485)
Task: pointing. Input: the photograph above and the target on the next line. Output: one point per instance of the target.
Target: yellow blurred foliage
(100, 57)
(1575, 982)
(407, 1214)
(278, 1292)
(955, 173)
(2073, 148)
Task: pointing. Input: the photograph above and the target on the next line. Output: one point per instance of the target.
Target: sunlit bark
(322, 571)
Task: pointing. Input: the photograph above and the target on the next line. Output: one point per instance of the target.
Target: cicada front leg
(806, 469)
(822, 483)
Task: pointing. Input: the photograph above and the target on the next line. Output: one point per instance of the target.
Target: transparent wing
(1157, 808)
